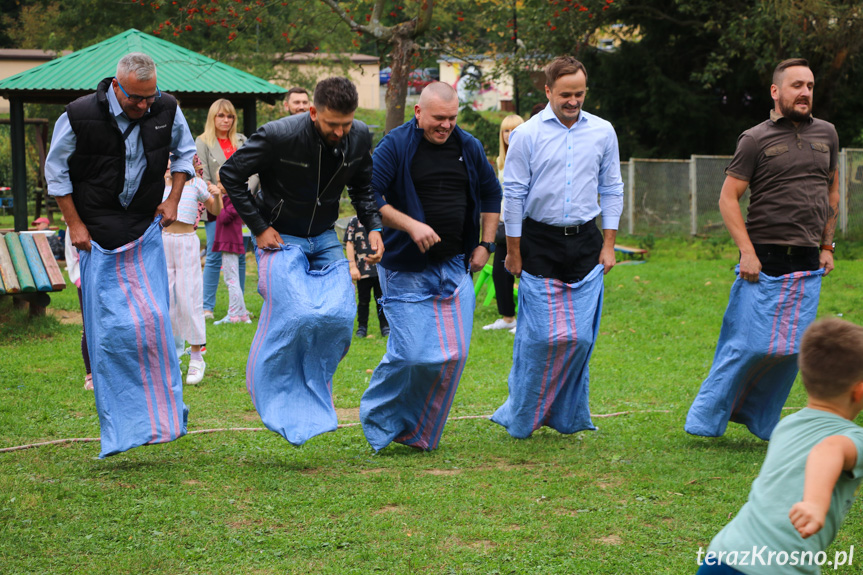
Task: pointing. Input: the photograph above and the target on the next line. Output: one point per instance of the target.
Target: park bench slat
(19, 261)
(7, 269)
(629, 250)
(34, 262)
(55, 276)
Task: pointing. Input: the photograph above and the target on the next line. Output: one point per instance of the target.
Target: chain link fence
(681, 197)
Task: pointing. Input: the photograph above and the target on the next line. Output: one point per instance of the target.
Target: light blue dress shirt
(64, 140)
(553, 173)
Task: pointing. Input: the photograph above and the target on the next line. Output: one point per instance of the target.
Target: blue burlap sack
(304, 331)
(549, 381)
(756, 357)
(411, 391)
(136, 376)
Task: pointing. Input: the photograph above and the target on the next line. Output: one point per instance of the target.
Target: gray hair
(136, 63)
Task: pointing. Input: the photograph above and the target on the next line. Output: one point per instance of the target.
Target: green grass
(638, 496)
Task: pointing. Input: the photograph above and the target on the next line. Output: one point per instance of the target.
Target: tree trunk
(397, 89)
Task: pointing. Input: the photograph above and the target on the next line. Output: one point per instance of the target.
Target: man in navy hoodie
(434, 186)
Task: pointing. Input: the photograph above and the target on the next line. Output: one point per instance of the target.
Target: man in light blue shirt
(108, 156)
(558, 161)
(557, 164)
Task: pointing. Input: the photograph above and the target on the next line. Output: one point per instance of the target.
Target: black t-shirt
(440, 177)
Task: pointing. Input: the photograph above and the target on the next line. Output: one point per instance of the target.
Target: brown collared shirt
(789, 169)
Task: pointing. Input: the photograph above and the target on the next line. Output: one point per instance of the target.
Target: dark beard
(793, 114)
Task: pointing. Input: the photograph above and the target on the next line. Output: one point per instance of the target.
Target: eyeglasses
(135, 99)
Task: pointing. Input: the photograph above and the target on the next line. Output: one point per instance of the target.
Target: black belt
(562, 230)
(786, 250)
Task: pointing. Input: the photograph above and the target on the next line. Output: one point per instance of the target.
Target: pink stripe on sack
(568, 352)
(439, 321)
(776, 315)
(457, 369)
(159, 360)
(549, 359)
(124, 285)
(793, 337)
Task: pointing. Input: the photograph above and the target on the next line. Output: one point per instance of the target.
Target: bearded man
(789, 163)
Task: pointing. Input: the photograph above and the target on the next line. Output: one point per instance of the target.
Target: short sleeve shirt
(194, 191)
(356, 233)
(762, 523)
(789, 169)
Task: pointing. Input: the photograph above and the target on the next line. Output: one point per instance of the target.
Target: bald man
(436, 191)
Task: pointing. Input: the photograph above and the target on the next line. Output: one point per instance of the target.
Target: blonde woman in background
(218, 143)
(503, 280)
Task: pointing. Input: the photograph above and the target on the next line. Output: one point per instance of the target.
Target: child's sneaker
(88, 382)
(362, 331)
(385, 331)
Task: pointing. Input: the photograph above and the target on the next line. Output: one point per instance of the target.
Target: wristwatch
(829, 247)
(489, 246)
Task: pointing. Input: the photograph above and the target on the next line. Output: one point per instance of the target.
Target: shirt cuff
(513, 230)
(59, 189)
(610, 222)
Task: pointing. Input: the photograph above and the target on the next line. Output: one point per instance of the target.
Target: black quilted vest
(97, 167)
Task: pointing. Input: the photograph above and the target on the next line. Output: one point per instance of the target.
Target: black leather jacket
(297, 198)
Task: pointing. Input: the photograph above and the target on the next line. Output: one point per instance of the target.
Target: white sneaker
(208, 314)
(512, 331)
(196, 372)
(500, 323)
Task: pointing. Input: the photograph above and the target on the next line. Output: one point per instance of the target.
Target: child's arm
(352, 260)
(826, 461)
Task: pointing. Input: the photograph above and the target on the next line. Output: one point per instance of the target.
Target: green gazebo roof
(194, 79)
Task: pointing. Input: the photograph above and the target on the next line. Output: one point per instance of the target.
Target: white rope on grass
(340, 426)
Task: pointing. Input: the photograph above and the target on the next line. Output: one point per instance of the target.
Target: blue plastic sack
(411, 391)
(136, 375)
(303, 333)
(549, 381)
(756, 357)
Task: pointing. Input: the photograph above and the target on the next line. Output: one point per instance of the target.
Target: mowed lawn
(637, 496)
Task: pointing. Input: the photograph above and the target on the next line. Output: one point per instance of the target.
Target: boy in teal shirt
(812, 470)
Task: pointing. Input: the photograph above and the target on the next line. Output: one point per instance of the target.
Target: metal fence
(678, 197)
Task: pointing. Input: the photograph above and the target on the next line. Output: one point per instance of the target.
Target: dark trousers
(364, 293)
(781, 260)
(503, 282)
(548, 252)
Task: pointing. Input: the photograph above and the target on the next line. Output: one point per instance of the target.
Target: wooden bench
(28, 270)
(632, 255)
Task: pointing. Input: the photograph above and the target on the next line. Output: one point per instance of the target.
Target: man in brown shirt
(789, 163)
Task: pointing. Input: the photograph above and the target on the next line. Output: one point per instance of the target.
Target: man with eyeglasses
(109, 153)
(106, 167)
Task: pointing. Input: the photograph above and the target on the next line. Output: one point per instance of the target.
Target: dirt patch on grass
(250, 416)
(610, 540)
(348, 415)
(443, 471)
(66, 316)
(387, 509)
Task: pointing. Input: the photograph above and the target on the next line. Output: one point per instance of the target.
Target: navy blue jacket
(392, 184)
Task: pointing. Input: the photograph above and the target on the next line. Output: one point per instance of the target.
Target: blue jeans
(212, 267)
(320, 250)
(439, 278)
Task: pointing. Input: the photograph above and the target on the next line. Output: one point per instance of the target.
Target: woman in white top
(503, 280)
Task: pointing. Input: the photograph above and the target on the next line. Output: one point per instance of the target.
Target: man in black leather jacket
(304, 161)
